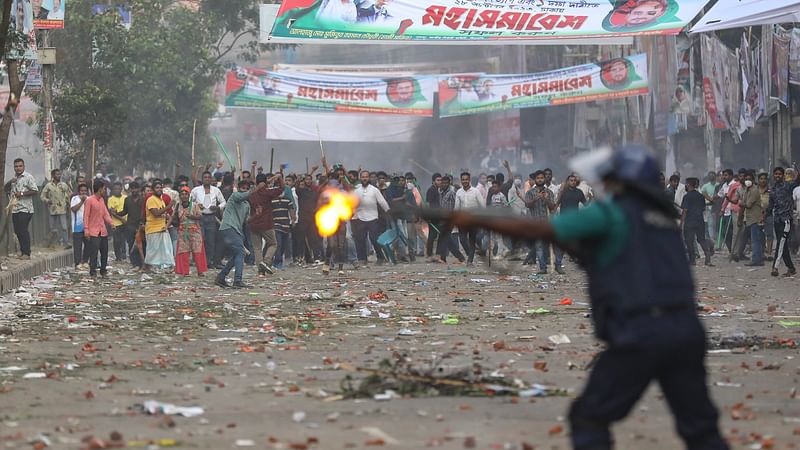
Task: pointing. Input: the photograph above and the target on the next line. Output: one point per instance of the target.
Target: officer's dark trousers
(668, 349)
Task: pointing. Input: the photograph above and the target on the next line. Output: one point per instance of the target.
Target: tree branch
(233, 44)
(4, 26)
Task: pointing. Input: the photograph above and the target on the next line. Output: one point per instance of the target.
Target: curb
(12, 279)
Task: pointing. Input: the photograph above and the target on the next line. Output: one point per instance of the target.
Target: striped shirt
(280, 214)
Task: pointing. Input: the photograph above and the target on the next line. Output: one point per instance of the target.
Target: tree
(137, 92)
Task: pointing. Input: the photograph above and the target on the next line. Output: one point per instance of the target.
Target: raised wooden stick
(194, 135)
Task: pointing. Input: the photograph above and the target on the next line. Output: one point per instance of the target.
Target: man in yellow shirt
(116, 203)
(159, 245)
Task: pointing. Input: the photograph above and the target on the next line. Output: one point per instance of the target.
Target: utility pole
(47, 59)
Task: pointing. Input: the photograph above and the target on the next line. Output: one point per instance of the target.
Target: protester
(159, 244)
(448, 243)
(96, 219)
(365, 221)
(397, 197)
(498, 201)
(754, 220)
(693, 206)
(56, 196)
(188, 217)
(336, 252)
(78, 236)
(541, 203)
(780, 206)
(433, 200)
(708, 191)
(469, 198)
(261, 224)
(569, 196)
(23, 189)
(236, 214)
(132, 210)
(211, 202)
(116, 204)
(282, 213)
(306, 237)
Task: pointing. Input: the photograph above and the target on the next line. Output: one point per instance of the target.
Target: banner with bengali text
(476, 93)
(478, 21)
(261, 89)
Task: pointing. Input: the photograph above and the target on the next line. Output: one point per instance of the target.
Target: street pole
(47, 90)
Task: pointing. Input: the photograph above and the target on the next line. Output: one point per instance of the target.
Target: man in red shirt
(260, 223)
(95, 221)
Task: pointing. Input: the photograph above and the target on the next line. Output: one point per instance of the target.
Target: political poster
(794, 58)
(21, 19)
(716, 76)
(48, 14)
(261, 89)
(475, 93)
(479, 21)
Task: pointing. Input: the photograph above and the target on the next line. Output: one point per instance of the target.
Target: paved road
(267, 365)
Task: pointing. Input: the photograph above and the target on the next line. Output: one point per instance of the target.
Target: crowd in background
(217, 219)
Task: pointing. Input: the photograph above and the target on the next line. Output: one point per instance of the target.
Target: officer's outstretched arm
(518, 227)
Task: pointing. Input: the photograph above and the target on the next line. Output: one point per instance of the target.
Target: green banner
(261, 89)
(478, 21)
(476, 93)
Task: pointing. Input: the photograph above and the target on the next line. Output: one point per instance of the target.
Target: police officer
(642, 298)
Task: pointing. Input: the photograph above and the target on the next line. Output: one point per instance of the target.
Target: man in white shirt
(211, 202)
(469, 198)
(78, 240)
(548, 182)
(365, 219)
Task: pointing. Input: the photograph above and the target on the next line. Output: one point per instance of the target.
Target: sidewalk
(14, 271)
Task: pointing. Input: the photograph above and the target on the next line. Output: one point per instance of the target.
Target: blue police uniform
(642, 298)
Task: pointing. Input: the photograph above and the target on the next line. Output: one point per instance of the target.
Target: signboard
(48, 14)
(479, 21)
(33, 80)
(261, 89)
(472, 94)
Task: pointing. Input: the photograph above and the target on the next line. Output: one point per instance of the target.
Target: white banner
(354, 127)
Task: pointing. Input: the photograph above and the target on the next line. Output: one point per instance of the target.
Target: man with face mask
(754, 219)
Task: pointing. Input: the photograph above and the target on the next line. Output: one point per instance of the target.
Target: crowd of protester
(746, 211)
(223, 220)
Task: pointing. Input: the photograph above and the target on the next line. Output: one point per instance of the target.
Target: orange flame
(339, 208)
